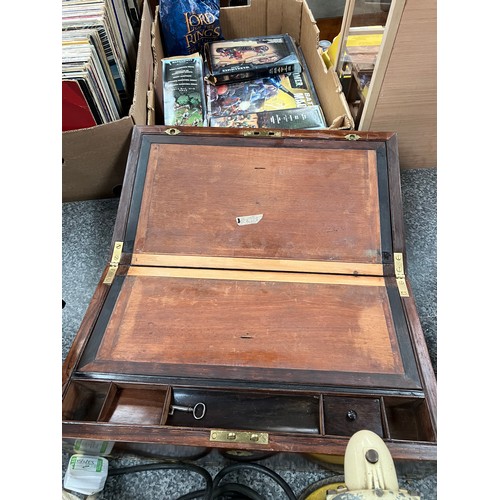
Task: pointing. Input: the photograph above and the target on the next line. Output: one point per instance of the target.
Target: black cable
(242, 492)
(213, 491)
(227, 489)
(206, 493)
(259, 468)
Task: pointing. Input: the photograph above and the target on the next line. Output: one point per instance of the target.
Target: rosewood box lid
(295, 204)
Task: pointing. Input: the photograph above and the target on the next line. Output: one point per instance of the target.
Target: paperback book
(183, 91)
(246, 59)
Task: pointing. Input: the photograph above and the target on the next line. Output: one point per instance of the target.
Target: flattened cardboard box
(94, 159)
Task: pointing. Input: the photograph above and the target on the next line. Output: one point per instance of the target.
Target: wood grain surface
(243, 323)
(311, 208)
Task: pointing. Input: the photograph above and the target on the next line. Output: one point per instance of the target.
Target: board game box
(245, 59)
(296, 118)
(183, 91)
(262, 94)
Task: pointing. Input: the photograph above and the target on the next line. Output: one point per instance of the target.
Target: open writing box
(261, 274)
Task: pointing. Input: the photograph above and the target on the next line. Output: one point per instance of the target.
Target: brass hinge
(400, 274)
(113, 265)
(223, 436)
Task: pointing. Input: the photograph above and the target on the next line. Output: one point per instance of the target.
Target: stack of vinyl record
(99, 51)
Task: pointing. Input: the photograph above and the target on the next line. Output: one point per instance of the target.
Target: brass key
(198, 410)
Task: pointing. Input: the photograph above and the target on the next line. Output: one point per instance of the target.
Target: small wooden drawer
(343, 416)
(407, 418)
(116, 403)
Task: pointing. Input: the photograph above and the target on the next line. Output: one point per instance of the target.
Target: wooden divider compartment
(136, 404)
(391, 417)
(84, 400)
(253, 411)
(408, 419)
(117, 403)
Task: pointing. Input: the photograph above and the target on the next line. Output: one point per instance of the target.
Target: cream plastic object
(369, 471)
(368, 463)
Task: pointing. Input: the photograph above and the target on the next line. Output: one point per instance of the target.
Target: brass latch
(113, 265)
(223, 436)
(262, 133)
(400, 274)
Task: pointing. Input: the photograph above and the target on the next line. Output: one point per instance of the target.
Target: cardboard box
(94, 159)
(263, 18)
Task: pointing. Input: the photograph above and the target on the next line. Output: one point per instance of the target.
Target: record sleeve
(100, 16)
(83, 37)
(76, 111)
(81, 62)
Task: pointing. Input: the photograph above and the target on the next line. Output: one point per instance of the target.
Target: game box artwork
(183, 91)
(297, 118)
(289, 91)
(250, 58)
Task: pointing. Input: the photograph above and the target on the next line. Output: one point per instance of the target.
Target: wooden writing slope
(257, 277)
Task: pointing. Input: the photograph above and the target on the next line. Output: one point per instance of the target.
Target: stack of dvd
(99, 51)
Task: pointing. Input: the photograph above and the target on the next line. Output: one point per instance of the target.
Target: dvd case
(297, 118)
(184, 91)
(244, 59)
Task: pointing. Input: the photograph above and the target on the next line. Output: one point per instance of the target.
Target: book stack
(258, 82)
(99, 52)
